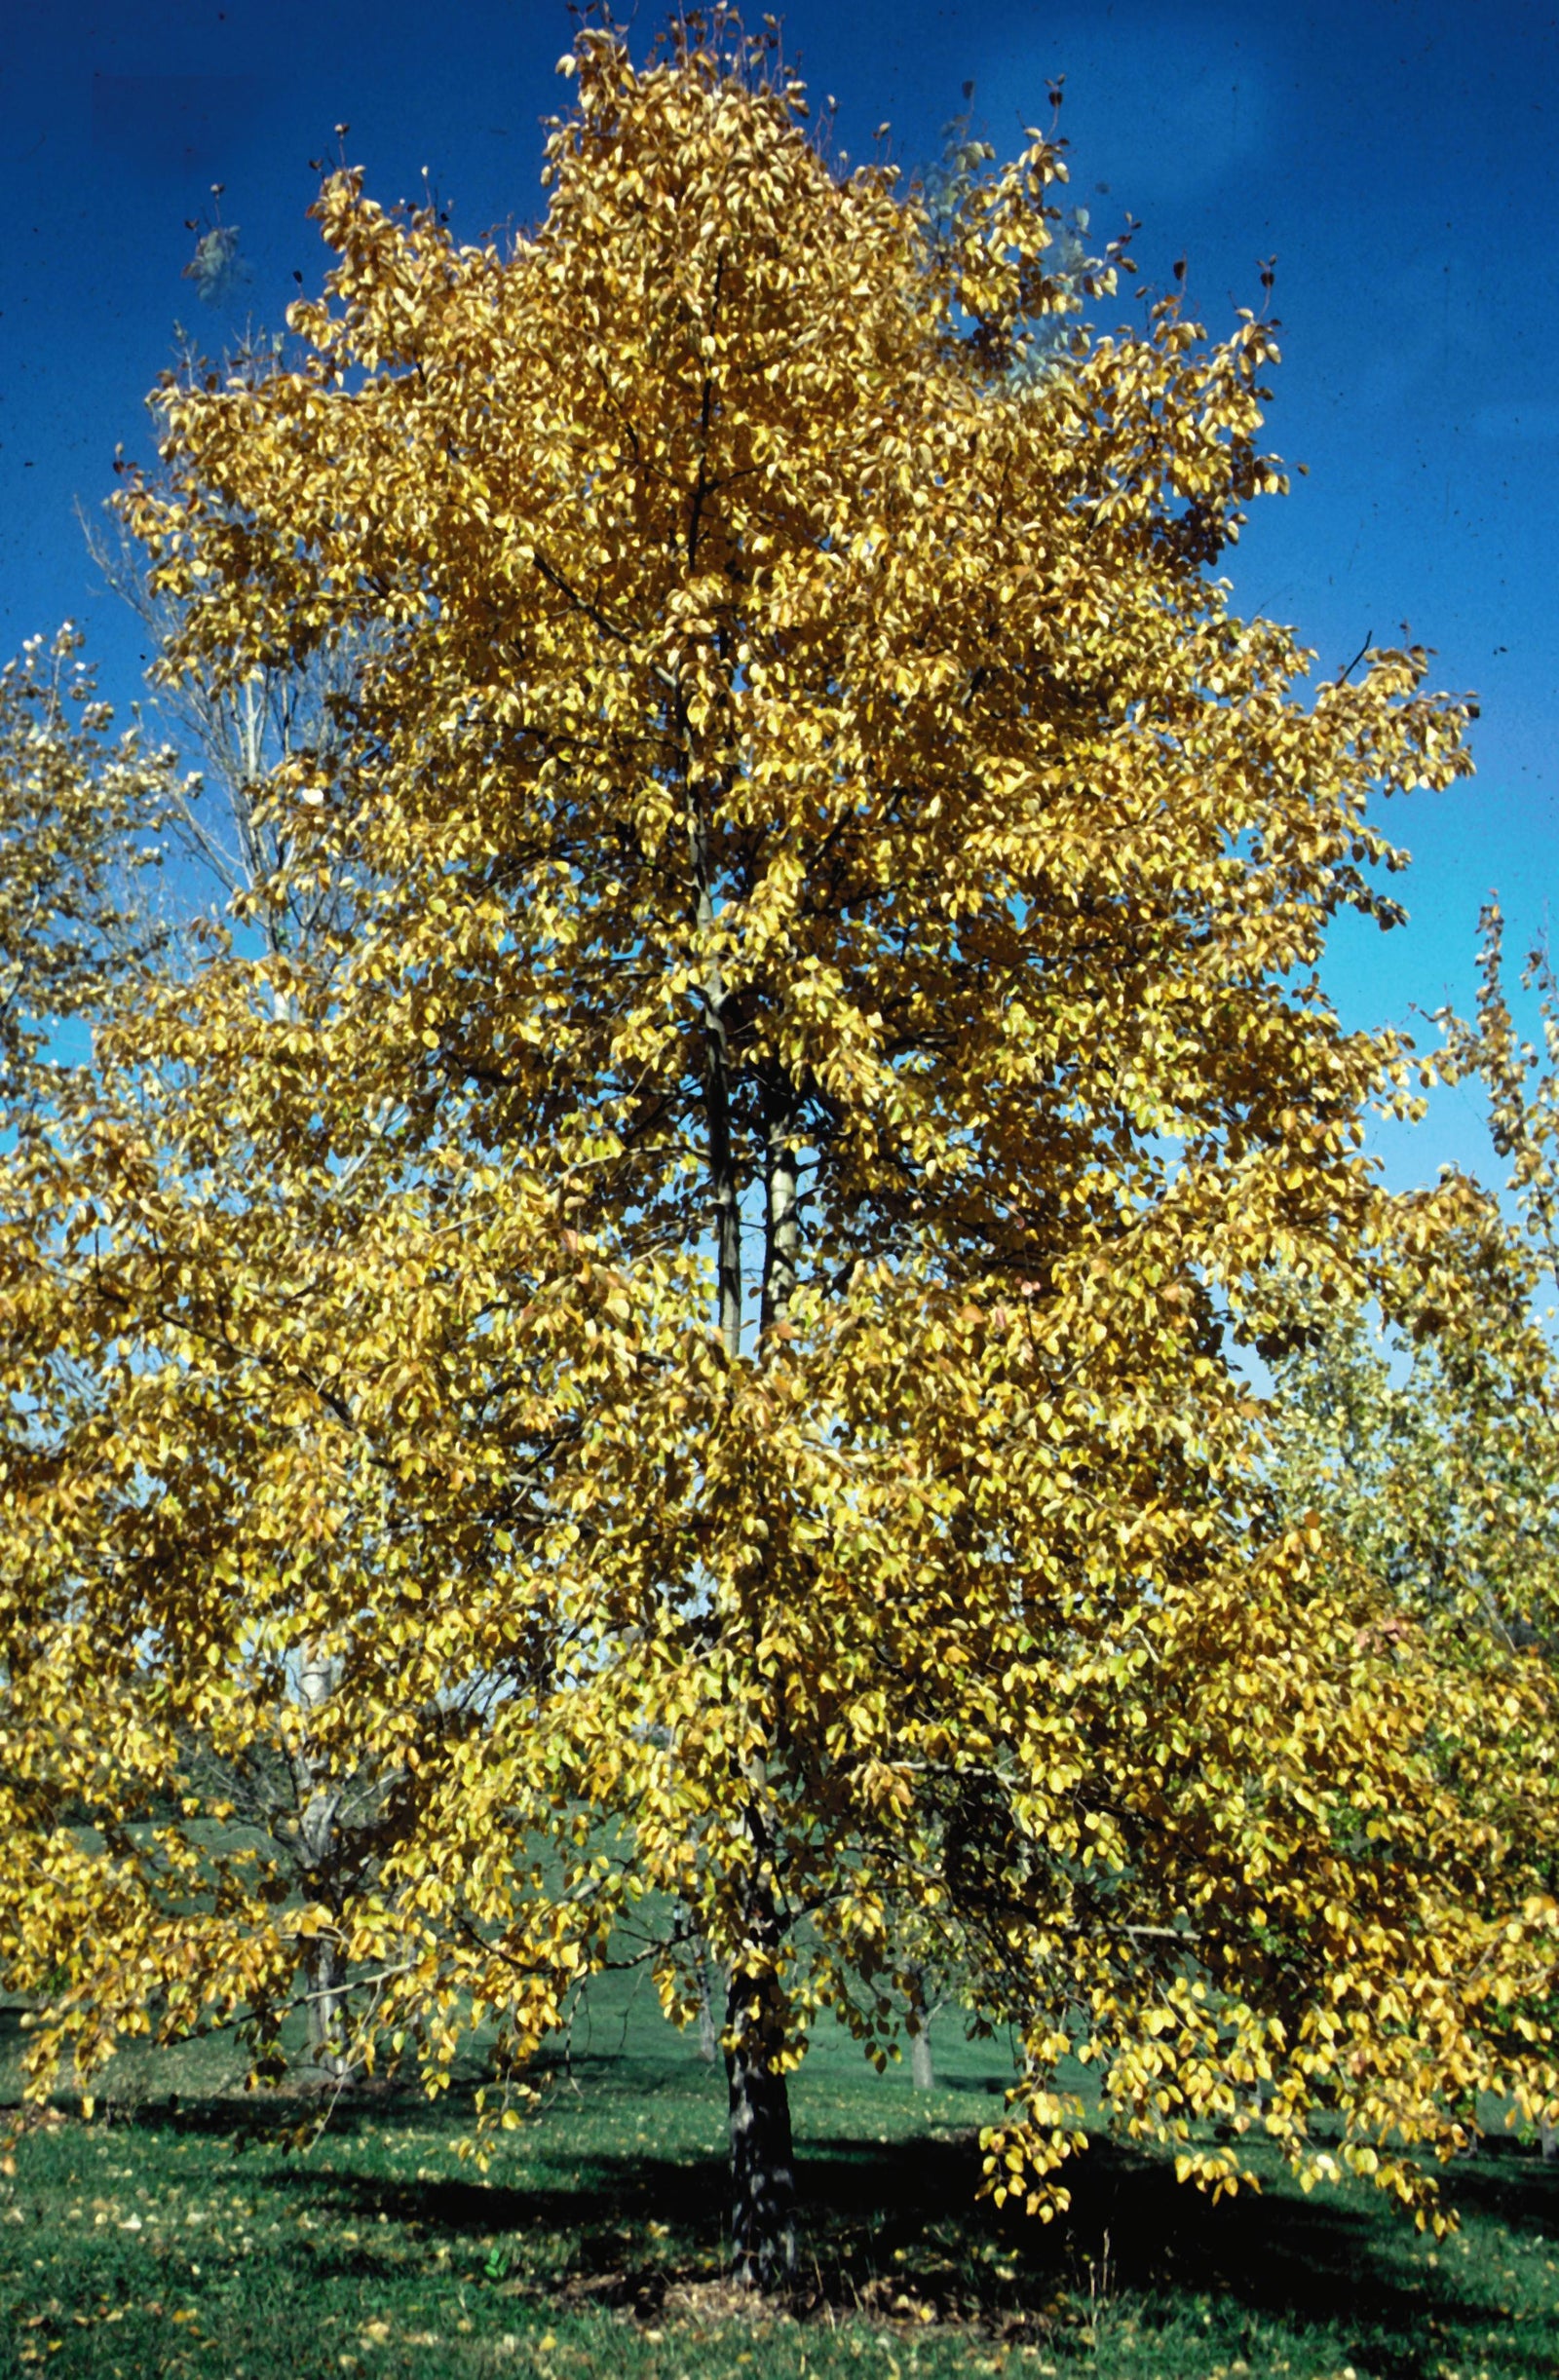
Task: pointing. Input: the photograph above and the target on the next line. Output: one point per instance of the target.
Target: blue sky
(1400, 158)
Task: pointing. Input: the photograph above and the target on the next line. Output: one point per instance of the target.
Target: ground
(177, 2232)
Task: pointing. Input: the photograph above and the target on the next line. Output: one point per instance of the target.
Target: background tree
(80, 819)
(707, 1297)
(1424, 1427)
(236, 846)
(1423, 1430)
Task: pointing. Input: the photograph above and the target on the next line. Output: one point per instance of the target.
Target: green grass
(180, 2237)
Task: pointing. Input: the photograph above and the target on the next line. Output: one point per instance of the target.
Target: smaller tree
(324, 1812)
(80, 822)
(1420, 1428)
(286, 709)
(1426, 1426)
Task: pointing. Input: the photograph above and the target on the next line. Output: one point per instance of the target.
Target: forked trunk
(763, 2177)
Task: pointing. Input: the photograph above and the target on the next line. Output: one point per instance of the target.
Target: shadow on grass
(270, 2115)
(894, 2231)
(1507, 2180)
(897, 2234)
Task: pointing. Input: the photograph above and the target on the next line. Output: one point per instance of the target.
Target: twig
(1343, 675)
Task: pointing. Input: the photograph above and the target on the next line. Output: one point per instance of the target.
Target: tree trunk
(922, 2008)
(725, 1188)
(709, 2028)
(1549, 2135)
(782, 1219)
(326, 1988)
(763, 2177)
(318, 1804)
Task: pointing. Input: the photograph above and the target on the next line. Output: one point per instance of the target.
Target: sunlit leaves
(710, 1303)
(79, 823)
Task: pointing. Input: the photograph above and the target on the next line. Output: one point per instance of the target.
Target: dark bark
(725, 1188)
(763, 2174)
(763, 2181)
(709, 2022)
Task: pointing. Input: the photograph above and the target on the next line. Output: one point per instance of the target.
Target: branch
(1346, 672)
(581, 603)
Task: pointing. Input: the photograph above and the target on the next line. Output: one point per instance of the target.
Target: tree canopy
(707, 1297)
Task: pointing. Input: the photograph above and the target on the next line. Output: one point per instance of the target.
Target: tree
(236, 845)
(812, 799)
(327, 1830)
(1422, 1433)
(1424, 1428)
(79, 822)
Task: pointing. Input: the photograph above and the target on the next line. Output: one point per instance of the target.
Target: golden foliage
(807, 796)
(78, 821)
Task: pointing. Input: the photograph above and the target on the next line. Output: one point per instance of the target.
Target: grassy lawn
(178, 2236)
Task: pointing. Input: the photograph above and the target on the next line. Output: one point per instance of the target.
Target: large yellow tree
(707, 1298)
